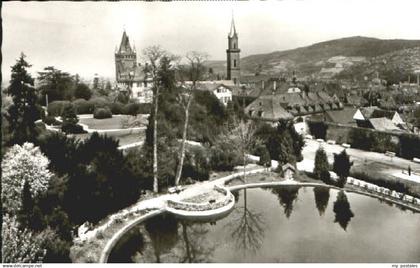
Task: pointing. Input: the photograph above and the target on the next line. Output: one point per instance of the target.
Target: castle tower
(125, 60)
(233, 69)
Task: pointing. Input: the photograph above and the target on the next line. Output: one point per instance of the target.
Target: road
(392, 166)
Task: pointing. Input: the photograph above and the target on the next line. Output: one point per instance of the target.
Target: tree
(342, 210)
(195, 71)
(342, 166)
(156, 58)
(322, 196)
(23, 164)
(70, 120)
(243, 137)
(19, 245)
(287, 196)
(321, 168)
(57, 84)
(82, 91)
(23, 112)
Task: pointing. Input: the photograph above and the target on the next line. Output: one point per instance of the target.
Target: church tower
(125, 61)
(233, 69)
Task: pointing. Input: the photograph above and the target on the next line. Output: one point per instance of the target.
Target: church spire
(232, 27)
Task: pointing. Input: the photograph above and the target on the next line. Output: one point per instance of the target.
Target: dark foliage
(82, 91)
(102, 113)
(23, 112)
(342, 167)
(318, 129)
(343, 213)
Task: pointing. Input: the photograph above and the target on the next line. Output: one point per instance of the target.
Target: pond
(282, 224)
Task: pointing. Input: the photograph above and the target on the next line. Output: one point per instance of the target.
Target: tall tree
(155, 57)
(195, 70)
(23, 112)
(342, 166)
(57, 84)
(321, 168)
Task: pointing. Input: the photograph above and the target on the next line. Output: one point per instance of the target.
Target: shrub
(99, 102)
(196, 165)
(56, 108)
(101, 113)
(50, 120)
(117, 108)
(73, 129)
(83, 106)
(132, 109)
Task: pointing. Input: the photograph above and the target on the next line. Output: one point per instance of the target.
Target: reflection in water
(342, 211)
(163, 233)
(287, 196)
(195, 248)
(253, 229)
(322, 196)
(248, 230)
(127, 246)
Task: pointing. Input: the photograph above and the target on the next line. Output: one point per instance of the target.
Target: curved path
(106, 251)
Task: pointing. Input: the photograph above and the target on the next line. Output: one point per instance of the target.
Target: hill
(324, 59)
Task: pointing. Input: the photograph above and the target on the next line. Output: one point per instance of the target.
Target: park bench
(345, 145)
(320, 140)
(331, 142)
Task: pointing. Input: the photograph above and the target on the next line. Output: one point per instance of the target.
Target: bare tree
(154, 56)
(195, 72)
(243, 136)
(248, 232)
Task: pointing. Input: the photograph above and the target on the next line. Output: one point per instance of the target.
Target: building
(130, 76)
(233, 57)
(267, 108)
(222, 91)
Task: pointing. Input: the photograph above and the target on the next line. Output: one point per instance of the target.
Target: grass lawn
(123, 137)
(116, 122)
(378, 172)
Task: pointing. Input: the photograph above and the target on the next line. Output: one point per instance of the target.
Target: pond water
(287, 224)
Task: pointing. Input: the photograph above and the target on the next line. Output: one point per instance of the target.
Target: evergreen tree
(342, 166)
(70, 119)
(25, 212)
(321, 168)
(23, 112)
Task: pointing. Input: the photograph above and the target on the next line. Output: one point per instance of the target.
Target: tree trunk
(155, 159)
(244, 162)
(184, 138)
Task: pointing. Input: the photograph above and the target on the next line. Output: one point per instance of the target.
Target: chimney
(274, 85)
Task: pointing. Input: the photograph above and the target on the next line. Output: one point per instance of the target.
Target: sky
(81, 37)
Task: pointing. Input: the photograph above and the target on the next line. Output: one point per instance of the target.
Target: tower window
(234, 63)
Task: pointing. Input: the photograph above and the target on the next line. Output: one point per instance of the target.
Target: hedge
(83, 106)
(56, 108)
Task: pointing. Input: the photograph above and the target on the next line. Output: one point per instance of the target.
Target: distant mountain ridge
(328, 58)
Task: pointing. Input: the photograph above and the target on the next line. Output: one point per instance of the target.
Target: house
(364, 114)
(267, 108)
(222, 92)
(288, 171)
(130, 76)
(343, 117)
(383, 124)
